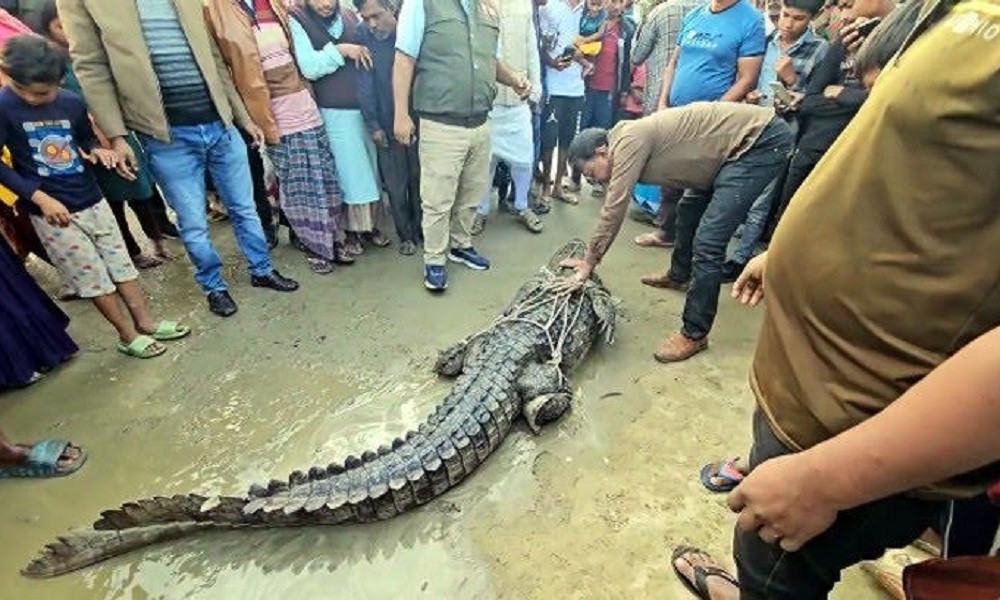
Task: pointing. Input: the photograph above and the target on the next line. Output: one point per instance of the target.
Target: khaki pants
(454, 164)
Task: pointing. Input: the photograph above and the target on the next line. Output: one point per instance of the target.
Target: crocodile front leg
(544, 395)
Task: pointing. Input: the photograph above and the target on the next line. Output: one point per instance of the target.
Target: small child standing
(50, 136)
(592, 26)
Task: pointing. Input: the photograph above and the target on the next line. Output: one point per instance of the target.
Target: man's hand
(786, 70)
(379, 138)
(404, 129)
(257, 135)
(127, 163)
(106, 158)
(786, 501)
(359, 54)
(753, 97)
(54, 211)
(832, 91)
(582, 270)
(523, 89)
(851, 37)
(560, 63)
(785, 107)
(749, 286)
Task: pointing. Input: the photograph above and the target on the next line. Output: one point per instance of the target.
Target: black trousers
(801, 165)
(263, 205)
(669, 197)
(158, 209)
(145, 214)
(399, 167)
(766, 572)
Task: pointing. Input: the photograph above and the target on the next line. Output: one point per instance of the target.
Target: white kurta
(511, 135)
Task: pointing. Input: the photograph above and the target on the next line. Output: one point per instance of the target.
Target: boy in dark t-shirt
(51, 141)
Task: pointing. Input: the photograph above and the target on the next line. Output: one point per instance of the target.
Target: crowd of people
(847, 148)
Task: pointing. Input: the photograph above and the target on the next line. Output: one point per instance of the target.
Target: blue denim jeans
(179, 168)
(707, 219)
(756, 222)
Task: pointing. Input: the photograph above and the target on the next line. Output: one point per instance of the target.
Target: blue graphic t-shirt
(45, 143)
(709, 45)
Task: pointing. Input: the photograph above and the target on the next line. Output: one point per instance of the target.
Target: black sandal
(699, 587)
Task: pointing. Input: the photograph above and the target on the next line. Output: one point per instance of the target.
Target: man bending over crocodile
(728, 151)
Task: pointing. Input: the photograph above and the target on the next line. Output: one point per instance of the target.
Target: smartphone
(867, 27)
(782, 93)
(567, 54)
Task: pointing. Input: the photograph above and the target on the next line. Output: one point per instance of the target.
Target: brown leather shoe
(679, 347)
(664, 282)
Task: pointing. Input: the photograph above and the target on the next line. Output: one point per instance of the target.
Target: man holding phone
(560, 23)
(791, 53)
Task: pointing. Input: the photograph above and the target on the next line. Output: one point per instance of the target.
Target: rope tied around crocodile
(562, 304)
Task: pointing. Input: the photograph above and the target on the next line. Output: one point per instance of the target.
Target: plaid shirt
(805, 53)
(655, 43)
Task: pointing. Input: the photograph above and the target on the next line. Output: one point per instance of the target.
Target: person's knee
(708, 253)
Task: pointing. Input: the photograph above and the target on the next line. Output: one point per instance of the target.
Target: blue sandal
(43, 462)
(726, 470)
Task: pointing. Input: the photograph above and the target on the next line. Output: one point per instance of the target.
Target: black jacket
(822, 119)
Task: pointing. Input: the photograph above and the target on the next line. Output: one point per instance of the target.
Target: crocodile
(516, 367)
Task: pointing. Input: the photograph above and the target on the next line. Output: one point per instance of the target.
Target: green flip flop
(141, 347)
(170, 330)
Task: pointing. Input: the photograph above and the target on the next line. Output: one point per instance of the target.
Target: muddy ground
(589, 509)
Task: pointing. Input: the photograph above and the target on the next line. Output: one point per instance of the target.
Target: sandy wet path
(589, 509)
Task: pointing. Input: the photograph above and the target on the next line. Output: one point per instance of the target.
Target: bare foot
(163, 252)
(564, 197)
(719, 584)
(735, 467)
(653, 239)
(144, 262)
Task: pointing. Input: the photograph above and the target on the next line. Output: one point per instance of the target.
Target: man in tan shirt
(728, 151)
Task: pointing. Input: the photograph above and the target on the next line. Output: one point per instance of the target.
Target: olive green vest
(456, 69)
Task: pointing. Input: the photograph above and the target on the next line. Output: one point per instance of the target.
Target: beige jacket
(519, 47)
(112, 62)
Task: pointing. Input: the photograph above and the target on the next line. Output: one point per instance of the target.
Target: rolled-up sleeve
(410, 27)
(629, 155)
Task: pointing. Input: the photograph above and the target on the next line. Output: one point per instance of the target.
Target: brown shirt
(677, 147)
(887, 260)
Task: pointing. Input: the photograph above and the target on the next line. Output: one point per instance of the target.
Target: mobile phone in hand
(782, 93)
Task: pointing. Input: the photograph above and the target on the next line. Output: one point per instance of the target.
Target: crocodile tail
(135, 525)
(84, 548)
(175, 509)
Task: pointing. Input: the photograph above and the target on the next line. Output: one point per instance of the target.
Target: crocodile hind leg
(544, 393)
(452, 361)
(545, 409)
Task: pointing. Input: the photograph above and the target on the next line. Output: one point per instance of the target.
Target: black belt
(468, 122)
